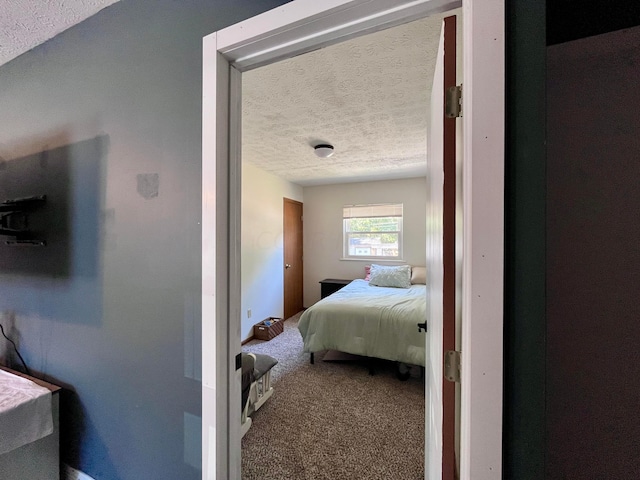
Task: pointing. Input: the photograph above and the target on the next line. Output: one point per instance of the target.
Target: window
(372, 231)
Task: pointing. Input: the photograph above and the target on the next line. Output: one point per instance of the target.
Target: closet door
(293, 269)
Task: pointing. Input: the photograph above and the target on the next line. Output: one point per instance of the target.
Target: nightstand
(331, 285)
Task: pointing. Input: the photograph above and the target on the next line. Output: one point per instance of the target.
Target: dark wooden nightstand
(331, 285)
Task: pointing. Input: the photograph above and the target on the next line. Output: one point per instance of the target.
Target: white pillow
(418, 275)
(391, 276)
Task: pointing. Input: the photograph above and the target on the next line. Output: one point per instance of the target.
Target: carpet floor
(332, 420)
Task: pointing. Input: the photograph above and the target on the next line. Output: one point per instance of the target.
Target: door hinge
(453, 102)
(452, 366)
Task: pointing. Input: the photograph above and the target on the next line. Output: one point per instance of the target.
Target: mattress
(25, 411)
(362, 319)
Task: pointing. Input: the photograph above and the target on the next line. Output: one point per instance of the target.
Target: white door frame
(305, 25)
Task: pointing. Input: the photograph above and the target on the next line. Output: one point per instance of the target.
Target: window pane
(379, 210)
(373, 244)
(378, 224)
(373, 230)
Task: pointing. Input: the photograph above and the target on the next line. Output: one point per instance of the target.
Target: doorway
(293, 29)
(332, 85)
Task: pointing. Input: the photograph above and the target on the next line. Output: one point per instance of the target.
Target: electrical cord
(16, 349)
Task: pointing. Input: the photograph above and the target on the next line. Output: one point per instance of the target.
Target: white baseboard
(70, 473)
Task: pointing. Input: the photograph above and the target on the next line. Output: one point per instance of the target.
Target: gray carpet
(332, 420)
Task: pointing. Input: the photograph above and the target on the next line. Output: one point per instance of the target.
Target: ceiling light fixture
(323, 150)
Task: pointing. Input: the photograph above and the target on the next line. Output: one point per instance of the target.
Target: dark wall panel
(593, 258)
(525, 200)
(569, 20)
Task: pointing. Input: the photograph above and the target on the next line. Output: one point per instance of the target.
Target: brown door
(444, 279)
(450, 283)
(292, 257)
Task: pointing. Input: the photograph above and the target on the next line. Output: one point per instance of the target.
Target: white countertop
(25, 411)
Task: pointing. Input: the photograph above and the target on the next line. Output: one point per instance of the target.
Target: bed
(368, 319)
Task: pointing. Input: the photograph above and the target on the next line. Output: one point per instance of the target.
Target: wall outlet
(249, 313)
(70, 473)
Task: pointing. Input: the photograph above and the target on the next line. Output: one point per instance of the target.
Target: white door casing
(483, 46)
(301, 26)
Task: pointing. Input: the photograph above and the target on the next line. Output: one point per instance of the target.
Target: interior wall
(593, 260)
(525, 241)
(106, 119)
(323, 227)
(565, 22)
(262, 249)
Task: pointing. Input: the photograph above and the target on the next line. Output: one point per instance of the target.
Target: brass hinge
(453, 102)
(452, 366)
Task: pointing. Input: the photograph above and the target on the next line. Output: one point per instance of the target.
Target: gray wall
(106, 120)
(593, 258)
(262, 245)
(323, 241)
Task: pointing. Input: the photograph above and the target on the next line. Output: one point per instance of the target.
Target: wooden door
(441, 258)
(293, 270)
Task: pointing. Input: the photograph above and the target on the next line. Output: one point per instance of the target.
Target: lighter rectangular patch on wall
(148, 185)
(192, 336)
(193, 440)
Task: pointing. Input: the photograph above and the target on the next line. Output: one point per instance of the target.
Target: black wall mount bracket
(14, 220)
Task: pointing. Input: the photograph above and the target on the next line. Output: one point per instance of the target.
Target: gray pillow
(390, 276)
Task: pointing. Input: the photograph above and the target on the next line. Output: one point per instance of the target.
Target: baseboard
(70, 473)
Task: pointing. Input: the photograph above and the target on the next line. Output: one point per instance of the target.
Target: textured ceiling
(368, 97)
(25, 24)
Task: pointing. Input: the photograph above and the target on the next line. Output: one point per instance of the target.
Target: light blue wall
(263, 244)
(111, 308)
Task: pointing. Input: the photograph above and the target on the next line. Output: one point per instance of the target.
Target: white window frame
(346, 235)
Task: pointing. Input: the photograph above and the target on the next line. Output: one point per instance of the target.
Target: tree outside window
(373, 231)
